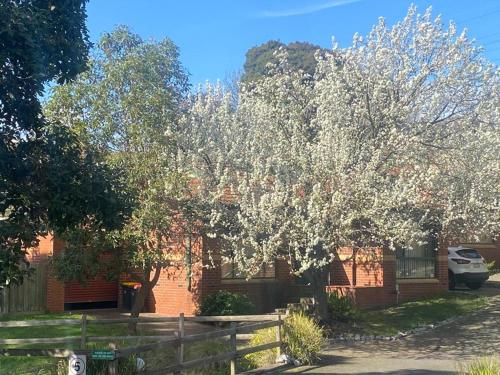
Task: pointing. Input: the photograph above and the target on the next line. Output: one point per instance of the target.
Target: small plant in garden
(226, 303)
(341, 308)
(266, 357)
(303, 339)
(491, 266)
(481, 366)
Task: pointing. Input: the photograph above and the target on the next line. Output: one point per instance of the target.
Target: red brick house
(372, 277)
(97, 293)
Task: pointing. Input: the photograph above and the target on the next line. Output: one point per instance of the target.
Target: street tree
(127, 106)
(48, 181)
(394, 143)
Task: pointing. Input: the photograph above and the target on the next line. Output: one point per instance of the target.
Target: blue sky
(213, 36)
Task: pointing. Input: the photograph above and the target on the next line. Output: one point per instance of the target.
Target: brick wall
(265, 294)
(55, 288)
(42, 251)
(175, 292)
(371, 280)
(361, 268)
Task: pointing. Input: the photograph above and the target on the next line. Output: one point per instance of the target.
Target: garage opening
(95, 294)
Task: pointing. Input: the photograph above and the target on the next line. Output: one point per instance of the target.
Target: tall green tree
(47, 180)
(128, 106)
(301, 56)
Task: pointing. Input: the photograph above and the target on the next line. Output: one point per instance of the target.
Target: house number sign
(77, 365)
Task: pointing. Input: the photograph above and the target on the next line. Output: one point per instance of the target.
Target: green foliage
(46, 365)
(226, 303)
(128, 107)
(164, 357)
(300, 57)
(206, 349)
(126, 366)
(481, 366)
(303, 338)
(266, 357)
(39, 42)
(491, 267)
(409, 315)
(341, 308)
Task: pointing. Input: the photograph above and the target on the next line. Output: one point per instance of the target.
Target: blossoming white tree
(394, 139)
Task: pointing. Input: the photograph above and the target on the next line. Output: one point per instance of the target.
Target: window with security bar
(417, 262)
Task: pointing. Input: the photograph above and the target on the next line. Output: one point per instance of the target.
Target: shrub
(491, 267)
(303, 338)
(341, 308)
(482, 366)
(266, 357)
(226, 303)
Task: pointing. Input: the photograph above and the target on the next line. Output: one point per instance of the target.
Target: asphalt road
(436, 352)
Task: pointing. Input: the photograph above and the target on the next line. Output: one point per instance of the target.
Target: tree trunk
(138, 305)
(142, 295)
(318, 279)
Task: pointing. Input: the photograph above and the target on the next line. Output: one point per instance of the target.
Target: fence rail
(178, 341)
(30, 296)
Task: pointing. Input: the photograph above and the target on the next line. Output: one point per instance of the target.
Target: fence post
(112, 365)
(233, 348)
(180, 347)
(278, 336)
(83, 331)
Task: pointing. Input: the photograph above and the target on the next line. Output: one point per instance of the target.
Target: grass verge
(55, 366)
(410, 315)
(481, 366)
(44, 365)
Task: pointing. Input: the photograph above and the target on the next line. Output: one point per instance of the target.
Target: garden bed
(409, 315)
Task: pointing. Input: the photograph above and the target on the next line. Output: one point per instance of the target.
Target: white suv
(466, 265)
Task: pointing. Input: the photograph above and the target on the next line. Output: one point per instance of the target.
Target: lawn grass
(159, 358)
(409, 315)
(44, 365)
(49, 366)
(481, 366)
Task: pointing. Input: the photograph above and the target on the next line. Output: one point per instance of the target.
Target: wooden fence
(30, 296)
(239, 325)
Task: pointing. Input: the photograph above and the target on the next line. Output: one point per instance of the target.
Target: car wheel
(451, 280)
(473, 286)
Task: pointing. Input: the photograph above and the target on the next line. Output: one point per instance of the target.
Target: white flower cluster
(393, 138)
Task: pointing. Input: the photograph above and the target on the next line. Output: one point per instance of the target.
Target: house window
(230, 270)
(417, 262)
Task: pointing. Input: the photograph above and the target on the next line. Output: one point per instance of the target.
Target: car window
(469, 253)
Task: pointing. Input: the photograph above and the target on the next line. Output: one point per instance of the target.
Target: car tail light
(460, 261)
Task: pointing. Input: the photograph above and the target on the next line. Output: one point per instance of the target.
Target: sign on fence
(77, 358)
(105, 355)
(77, 365)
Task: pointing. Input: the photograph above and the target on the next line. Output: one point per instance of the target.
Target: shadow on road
(397, 372)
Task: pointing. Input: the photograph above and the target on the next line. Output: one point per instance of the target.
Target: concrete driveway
(435, 352)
